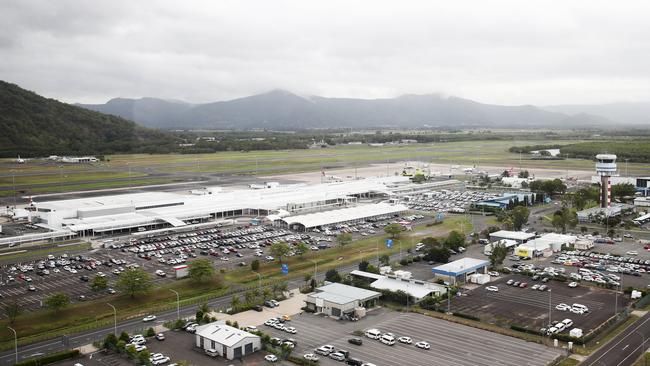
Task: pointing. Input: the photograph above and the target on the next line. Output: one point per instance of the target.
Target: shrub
(466, 316)
(150, 332)
(47, 359)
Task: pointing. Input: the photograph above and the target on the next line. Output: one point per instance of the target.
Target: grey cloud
(509, 52)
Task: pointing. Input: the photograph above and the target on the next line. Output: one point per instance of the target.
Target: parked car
(271, 358)
(355, 341)
(160, 337)
(492, 289)
(423, 345)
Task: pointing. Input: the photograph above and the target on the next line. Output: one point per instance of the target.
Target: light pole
(13, 181)
(549, 307)
(178, 303)
(315, 268)
(114, 319)
(15, 342)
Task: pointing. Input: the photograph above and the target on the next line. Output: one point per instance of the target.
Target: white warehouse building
(229, 342)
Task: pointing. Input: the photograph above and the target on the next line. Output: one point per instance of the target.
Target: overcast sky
(506, 52)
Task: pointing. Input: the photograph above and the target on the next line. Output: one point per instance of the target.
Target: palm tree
(250, 297)
(275, 287)
(235, 301)
(266, 293)
(204, 308)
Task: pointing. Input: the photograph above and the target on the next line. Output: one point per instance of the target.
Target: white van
(387, 339)
(211, 352)
(581, 307)
(373, 333)
(551, 330)
(567, 323)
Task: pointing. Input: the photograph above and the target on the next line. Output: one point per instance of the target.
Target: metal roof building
(227, 341)
(349, 214)
(336, 299)
(459, 269)
(518, 236)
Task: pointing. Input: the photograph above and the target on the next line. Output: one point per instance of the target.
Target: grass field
(47, 177)
(41, 253)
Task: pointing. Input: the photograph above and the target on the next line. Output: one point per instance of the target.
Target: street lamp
(178, 304)
(114, 319)
(315, 268)
(15, 342)
(13, 181)
(549, 307)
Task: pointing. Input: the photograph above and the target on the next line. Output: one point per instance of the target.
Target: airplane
(20, 161)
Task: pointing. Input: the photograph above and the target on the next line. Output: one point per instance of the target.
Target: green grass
(644, 360)
(65, 178)
(568, 362)
(96, 185)
(40, 253)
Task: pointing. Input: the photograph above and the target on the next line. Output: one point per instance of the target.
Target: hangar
(227, 341)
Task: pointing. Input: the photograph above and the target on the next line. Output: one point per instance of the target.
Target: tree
(393, 230)
(585, 197)
(438, 254)
(13, 310)
(550, 187)
(523, 174)
(454, 240)
(57, 301)
(110, 341)
(564, 218)
(520, 217)
(498, 255)
(201, 270)
(301, 248)
(418, 178)
(363, 265)
(144, 357)
(344, 239)
(124, 336)
(134, 281)
(611, 233)
(235, 302)
(99, 283)
(249, 297)
(280, 250)
(623, 190)
(150, 332)
(332, 275)
(384, 259)
(255, 265)
(204, 308)
(307, 277)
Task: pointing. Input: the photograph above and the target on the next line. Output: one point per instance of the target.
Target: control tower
(605, 168)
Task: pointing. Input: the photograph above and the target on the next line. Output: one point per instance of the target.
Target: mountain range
(280, 109)
(32, 125)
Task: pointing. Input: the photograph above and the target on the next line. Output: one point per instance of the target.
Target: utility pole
(549, 307)
(13, 181)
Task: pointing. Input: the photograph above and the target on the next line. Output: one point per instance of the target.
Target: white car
(149, 318)
(161, 361)
(423, 345)
(562, 307)
(492, 288)
(577, 311)
(406, 340)
(573, 284)
(311, 357)
(632, 252)
(494, 274)
(291, 330)
(337, 356)
(140, 347)
(269, 258)
(271, 358)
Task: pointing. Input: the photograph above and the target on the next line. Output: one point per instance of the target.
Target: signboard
(524, 252)
(285, 269)
(389, 243)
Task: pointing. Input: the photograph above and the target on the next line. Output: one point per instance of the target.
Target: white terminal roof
(151, 207)
(223, 334)
(513, 235)
(558, 238)
(536, 244)
(341, 294)
(344, 214)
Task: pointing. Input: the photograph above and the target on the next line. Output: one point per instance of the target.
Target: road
(133, 325)
(625, 348)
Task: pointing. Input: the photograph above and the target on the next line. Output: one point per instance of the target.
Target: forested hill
(32, 125)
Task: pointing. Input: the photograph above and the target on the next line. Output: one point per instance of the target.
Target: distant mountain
(32, 125)
(279, 109)
(624, 113)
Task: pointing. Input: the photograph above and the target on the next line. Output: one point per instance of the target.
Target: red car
(523, 285)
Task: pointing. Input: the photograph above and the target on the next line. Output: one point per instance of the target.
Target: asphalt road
(624, 349)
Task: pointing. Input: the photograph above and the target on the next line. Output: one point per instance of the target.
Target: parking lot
(30, 282)
(447, 201)
(530, 308)
(451, 344)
